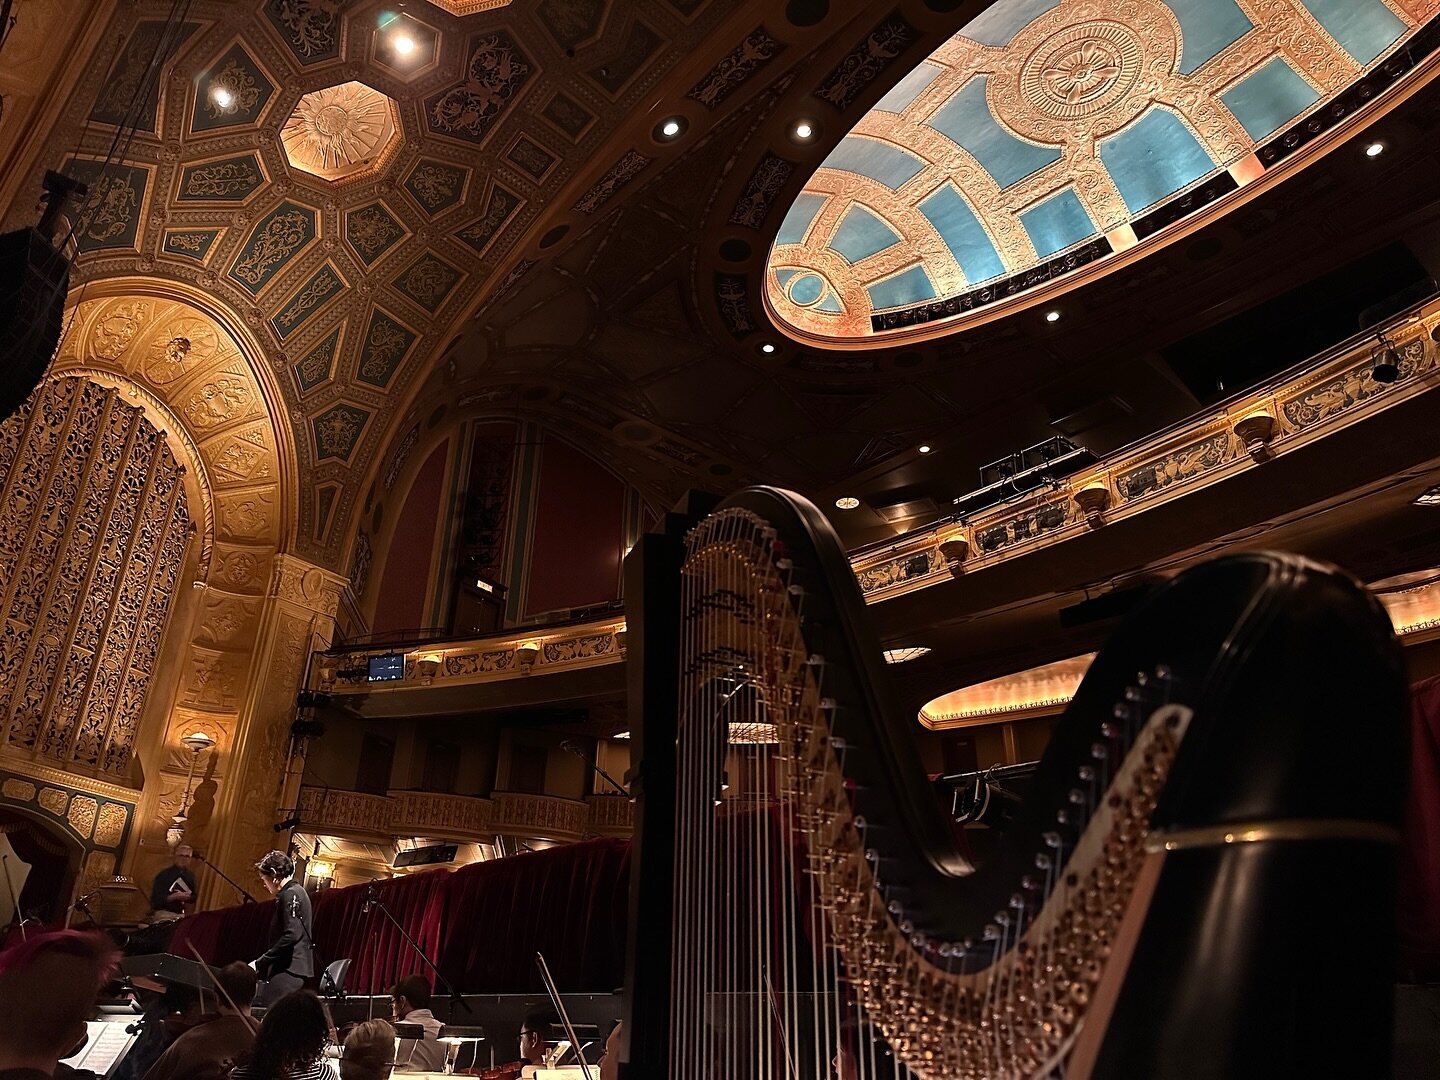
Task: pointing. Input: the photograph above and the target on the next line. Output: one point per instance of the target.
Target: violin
(508, 1071)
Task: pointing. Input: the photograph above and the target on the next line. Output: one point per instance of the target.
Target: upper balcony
(355, 815)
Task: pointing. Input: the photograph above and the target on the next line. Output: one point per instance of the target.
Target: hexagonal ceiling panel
(342, 132)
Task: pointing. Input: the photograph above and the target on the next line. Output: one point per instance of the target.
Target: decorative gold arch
(195, 371)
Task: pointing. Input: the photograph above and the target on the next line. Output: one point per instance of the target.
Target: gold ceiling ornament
(469, 7)
(337, 132)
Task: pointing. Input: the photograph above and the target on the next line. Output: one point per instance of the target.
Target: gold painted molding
(516, 654)
(1333, 392)
(1046, 690)
(462, 817)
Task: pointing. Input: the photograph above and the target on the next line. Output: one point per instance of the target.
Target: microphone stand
(373, 901)
(570, 747)
(245, 896)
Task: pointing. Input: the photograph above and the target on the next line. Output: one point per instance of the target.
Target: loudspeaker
(34, 278)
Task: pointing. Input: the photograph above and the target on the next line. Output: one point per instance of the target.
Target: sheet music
(105, 1045)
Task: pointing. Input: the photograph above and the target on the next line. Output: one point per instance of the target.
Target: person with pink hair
(47, 992)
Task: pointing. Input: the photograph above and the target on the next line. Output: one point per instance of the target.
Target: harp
(1200, 883)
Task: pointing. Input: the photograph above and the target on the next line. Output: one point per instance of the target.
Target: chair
(332, 980)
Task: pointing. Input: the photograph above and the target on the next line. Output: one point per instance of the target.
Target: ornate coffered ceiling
(1039, 138)
(347, 197)
(528, 245)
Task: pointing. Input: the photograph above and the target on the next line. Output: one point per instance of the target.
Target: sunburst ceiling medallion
(341, 132)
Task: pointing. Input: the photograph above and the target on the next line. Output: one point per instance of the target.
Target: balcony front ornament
(526, 653)
(1093, 500)
(1255, 431)
(955, 549)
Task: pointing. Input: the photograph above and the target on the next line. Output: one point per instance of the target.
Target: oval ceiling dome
(1049, 136)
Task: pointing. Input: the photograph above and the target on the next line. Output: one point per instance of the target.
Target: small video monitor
(387, 668)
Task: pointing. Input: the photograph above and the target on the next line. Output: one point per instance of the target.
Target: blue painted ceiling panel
(1207, 28)
(907, 287)
(966, 121)
(1269, 98)
(908, 89)
(798, 218)
(963, 234)
(880, 161)
(1153, 158)
(1057, 223)
(861, 234)
(1364, 28)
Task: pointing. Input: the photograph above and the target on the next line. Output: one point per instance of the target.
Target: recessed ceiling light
(670, 128)
(925, 448)
(1052, 316)
(847, 502)
(907, 652)
(1375, 149)
(403, 44)
(222, 97)
(767, 348)
(803, 130)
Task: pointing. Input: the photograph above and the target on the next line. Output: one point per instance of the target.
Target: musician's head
(183, 854)
(535, 1035)
(238, 981)
(47, 991)
(610, 1059)
(369, 1051)
(292, 1036)
(275, 869)
(409, 994)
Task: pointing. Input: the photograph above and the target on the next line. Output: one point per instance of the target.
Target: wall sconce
(195, 742)
(1093, 500)
(321, 869)
(1256, 431)
(955, 549)
(427, 666)
(525, 654)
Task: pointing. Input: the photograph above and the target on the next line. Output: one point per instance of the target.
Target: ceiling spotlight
(670, 128)
(403, 44)
(847, 502)
(925, 448)
(803, 130)
(1052, 316)
(1384, 362)
(222, 97)
(767, 348)
(1375, 149)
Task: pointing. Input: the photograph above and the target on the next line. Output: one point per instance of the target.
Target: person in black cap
(290, 959)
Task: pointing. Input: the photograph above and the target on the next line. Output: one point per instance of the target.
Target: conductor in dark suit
(290, 959)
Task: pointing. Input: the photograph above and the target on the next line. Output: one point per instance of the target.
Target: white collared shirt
(421, 1055)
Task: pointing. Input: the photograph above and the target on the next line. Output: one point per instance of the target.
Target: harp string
(787, 951)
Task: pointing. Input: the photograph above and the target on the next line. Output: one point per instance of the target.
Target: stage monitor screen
(387, 668)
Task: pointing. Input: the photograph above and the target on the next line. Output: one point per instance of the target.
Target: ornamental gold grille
(93, 533)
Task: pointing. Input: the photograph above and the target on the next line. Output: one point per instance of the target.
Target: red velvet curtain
(482, 924)
(568, 902)
(1420, 854)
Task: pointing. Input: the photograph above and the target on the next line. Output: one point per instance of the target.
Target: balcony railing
(1298, 407)
(462, 817)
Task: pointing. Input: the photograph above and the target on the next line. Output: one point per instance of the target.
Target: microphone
(371, 898)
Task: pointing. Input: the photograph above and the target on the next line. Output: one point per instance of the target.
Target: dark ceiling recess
(1266, 339)
(554, 236)
(734, 250)
(806, 12)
